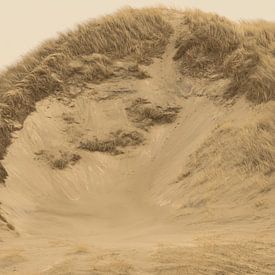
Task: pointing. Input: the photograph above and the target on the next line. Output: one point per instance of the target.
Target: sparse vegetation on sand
(114, 143)
(83, 54)
(69, 118)
(5, 222)
(213, 46)
(8, 225)
(59, 160)
(3, 174)
(128, 69)
(249, 149)
(235, 160)
(145, 114)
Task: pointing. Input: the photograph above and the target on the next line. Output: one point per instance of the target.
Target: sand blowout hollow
(141, 143)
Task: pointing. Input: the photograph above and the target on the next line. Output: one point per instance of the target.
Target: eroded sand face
(110, 213)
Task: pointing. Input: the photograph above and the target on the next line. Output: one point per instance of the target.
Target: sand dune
(150, 149)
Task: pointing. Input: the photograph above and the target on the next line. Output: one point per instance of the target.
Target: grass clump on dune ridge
(204, 42)
(213, 46)
(82, 54)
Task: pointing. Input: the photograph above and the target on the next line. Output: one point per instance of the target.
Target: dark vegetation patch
(89, 68)
(5, 221)
(59, 160)
(69, 118)
(214, 47)
(3, 174)
(114, 143)
(129, 70)
(144, 114)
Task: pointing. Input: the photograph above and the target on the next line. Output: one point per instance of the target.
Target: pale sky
(25, 23)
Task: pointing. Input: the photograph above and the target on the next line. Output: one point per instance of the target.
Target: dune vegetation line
(139, 34)
(212, 45)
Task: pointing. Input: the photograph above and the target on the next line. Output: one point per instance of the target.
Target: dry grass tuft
(8, 225)
(5, 136)
(205, 40)
(69, 118)
(114, 143)
(104, 146)
(128, 69)
(59, 160)
(5, 221)
(3, 174)
(214, 258)
(210, 45)
(89, 68)
(145, 114)
(137, 72)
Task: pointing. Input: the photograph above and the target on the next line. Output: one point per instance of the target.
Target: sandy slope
(122, 214)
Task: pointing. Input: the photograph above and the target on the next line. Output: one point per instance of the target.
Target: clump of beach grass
(114, 143)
